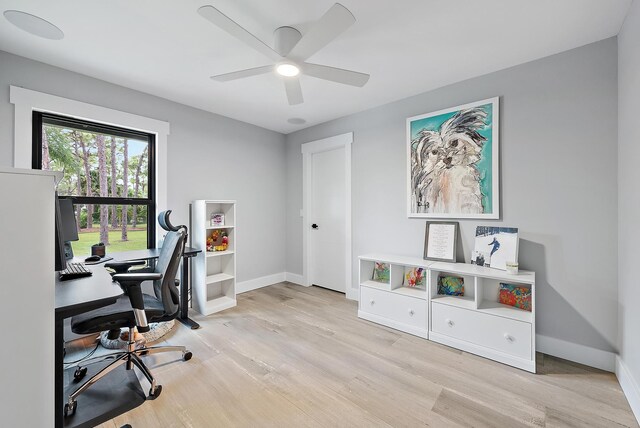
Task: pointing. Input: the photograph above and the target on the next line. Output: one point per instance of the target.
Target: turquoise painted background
(485, 165)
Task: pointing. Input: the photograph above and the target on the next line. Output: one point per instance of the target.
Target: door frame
(308, 150)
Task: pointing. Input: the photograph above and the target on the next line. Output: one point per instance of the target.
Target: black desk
(81, 295)
(72, 298)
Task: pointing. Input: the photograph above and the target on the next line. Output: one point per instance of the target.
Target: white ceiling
(408, 46)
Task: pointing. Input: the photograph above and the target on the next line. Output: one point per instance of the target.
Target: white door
(327, 220)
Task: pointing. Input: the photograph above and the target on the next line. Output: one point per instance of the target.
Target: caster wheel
(70, 409)
(187, 356)
(79, 373)
(153, 395)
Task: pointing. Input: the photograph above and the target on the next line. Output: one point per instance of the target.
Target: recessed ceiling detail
(33, 24)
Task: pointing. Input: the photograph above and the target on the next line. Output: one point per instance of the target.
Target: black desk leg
(183, 316)
(59, 372)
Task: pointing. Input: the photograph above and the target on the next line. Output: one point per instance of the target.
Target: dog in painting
(445, 177)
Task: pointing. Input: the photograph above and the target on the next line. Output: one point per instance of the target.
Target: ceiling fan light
(287, 70)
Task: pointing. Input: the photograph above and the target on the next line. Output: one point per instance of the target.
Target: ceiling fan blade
(338, 75)
(222, 21)
(234, 75)
(294, 90)
(331, 25)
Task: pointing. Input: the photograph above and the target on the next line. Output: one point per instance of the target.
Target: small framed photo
(440, 241)
(217, 219)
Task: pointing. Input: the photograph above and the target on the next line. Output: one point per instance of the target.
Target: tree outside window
(108, 173)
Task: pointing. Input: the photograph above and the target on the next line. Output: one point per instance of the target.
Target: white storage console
(214, 272)
(476, 322)
(392, 303)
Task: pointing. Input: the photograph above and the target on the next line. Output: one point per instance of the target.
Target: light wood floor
(290, 356)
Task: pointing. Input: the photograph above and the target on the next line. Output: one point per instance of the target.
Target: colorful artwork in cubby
(451, 286)
(381, 272)
(415, 278)
(515, 295)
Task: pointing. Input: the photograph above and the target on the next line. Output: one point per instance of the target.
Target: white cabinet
(27, 366)
(513, 338)
(214, 270)
(409, 313)
(475, 322)
(393, 303)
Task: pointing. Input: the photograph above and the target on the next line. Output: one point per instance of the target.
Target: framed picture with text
(440, 241)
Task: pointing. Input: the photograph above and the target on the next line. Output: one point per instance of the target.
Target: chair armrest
(122, 267)
(132, 285)
(135, 278)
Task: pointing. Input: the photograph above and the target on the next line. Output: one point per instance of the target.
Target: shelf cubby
(466, 301)
(425, 282)
(488, 301)
(367, 276)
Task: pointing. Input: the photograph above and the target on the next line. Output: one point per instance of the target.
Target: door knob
(314, 226)
(449, 323)
(509, 338)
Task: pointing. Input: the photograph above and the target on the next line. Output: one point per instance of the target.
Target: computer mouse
(92, 259)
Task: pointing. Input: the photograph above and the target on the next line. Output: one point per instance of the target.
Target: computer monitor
(66, 231)
(61, 261)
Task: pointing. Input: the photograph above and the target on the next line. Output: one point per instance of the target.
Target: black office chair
(136, 309)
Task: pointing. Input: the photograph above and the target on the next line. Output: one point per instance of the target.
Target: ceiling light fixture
(287, 70)
(296, 121)
(33, 24)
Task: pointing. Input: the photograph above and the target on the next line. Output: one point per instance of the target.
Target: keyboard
(74, 270)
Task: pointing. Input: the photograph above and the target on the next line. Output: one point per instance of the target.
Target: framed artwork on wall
(452, 162)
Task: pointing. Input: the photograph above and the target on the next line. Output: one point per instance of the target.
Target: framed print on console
(440, 238)
(452, 162)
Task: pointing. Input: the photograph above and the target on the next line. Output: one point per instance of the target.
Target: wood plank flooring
(290, 356)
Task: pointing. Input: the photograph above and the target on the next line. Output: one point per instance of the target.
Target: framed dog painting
(452, 162)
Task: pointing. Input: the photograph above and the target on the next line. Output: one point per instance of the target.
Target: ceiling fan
(291, 50)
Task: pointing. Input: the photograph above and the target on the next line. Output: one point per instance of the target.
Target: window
(108, 174)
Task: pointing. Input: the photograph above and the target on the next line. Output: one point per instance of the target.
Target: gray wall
(629, 200)
(210, 156)
(558, 183)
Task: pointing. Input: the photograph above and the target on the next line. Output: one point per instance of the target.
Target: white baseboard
(629, 386)
(294, 278)
(592, 357)
(254, 284)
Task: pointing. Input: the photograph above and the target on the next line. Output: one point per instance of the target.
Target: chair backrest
(168, 263)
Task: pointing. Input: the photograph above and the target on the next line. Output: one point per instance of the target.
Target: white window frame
(26, 101)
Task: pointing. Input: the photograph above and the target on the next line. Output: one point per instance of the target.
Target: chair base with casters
(130, 358)
(136, 309)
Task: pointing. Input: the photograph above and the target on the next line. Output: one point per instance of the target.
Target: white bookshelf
(214, 272)
(475, 322)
